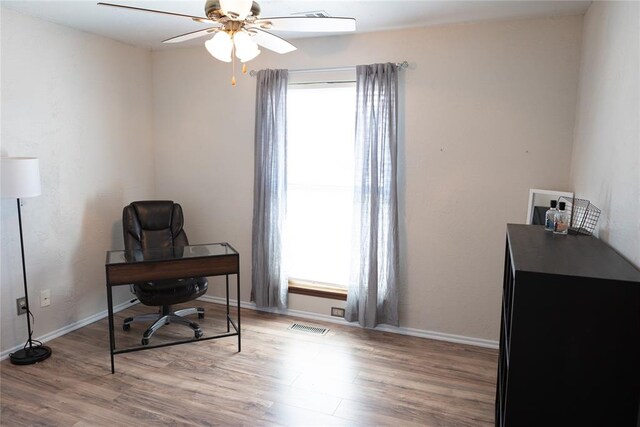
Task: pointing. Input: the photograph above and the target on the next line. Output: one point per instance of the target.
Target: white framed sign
(543, 198)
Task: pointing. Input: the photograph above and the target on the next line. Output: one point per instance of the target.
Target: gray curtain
(373, 293)
(268, 281)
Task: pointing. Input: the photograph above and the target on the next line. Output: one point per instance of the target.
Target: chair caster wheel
(200, 315)
(126, 326)
(145, 341)
(198, 334)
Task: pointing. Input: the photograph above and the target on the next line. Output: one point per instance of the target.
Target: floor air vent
(308, 329)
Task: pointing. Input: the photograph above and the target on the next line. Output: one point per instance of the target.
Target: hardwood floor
(350, 377)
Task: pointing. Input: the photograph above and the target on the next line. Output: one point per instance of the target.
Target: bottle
(561, 220)
(549, 217)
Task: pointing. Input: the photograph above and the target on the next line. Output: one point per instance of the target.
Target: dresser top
(538, 251)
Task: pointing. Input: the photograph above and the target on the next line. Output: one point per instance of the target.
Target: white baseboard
(69, 328)
(459, 339)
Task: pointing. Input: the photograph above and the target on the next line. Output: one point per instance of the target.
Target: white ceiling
(148, 29)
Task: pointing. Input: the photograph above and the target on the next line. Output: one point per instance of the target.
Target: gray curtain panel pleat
(373, 293)
(268, 282)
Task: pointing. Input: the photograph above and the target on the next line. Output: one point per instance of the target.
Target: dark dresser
(569, 334)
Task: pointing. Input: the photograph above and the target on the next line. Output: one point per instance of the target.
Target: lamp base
(30, 355)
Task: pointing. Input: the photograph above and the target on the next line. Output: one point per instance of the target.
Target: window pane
(321, 123)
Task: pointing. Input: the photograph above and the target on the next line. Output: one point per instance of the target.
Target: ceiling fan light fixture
(236, 9)
(246, 48)
(220, 46)
(248, 56)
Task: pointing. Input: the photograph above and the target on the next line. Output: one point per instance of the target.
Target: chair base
(166, 317)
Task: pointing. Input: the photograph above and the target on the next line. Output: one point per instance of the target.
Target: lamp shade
(20, 177)
(220, 46)
(242, 8)
(246, 48)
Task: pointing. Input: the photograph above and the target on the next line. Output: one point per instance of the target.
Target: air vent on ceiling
(308, 329)
(313, 14)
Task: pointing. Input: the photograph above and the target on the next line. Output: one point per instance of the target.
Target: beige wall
(487, 112)
(606, 154)
(82, 104)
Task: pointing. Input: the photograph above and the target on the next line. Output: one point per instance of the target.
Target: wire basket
(583, 215)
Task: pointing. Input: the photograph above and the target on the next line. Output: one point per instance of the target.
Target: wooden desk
(126, 267)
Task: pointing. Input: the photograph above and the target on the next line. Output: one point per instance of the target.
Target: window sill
(310, 289)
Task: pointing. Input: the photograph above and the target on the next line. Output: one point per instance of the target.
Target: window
(320, 173)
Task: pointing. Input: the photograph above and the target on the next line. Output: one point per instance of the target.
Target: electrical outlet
(21, 305)
(45, 298)
(337, 312)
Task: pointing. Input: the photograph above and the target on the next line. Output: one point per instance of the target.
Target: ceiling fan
(238, 29)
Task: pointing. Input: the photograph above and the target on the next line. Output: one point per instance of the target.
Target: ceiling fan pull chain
(233, 64)
(244, 68)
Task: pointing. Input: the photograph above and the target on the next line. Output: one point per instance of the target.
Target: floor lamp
(21, 179)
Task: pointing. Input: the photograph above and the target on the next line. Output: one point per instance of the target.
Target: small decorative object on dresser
(539, 202)
(583, 215)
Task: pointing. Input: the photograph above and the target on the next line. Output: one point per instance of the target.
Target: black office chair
(157, 225)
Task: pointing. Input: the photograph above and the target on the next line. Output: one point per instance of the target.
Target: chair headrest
(155, 214)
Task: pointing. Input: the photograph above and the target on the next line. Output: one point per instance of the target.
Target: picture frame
(538, 197)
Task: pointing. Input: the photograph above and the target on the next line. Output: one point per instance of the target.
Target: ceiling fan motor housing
(213, 9)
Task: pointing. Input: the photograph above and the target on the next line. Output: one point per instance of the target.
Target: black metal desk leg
(227, 279)
(238, 298)
(112, 338)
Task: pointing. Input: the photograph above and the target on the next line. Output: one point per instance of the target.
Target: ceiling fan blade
(195, 18)
(271, 41)
(309, 24)
(191, 35)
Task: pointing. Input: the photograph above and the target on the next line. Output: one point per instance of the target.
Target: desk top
(170, 253)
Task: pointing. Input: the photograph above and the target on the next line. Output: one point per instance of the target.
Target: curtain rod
(400, 65)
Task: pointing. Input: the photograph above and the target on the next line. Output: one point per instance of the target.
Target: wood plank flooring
(349, 377)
